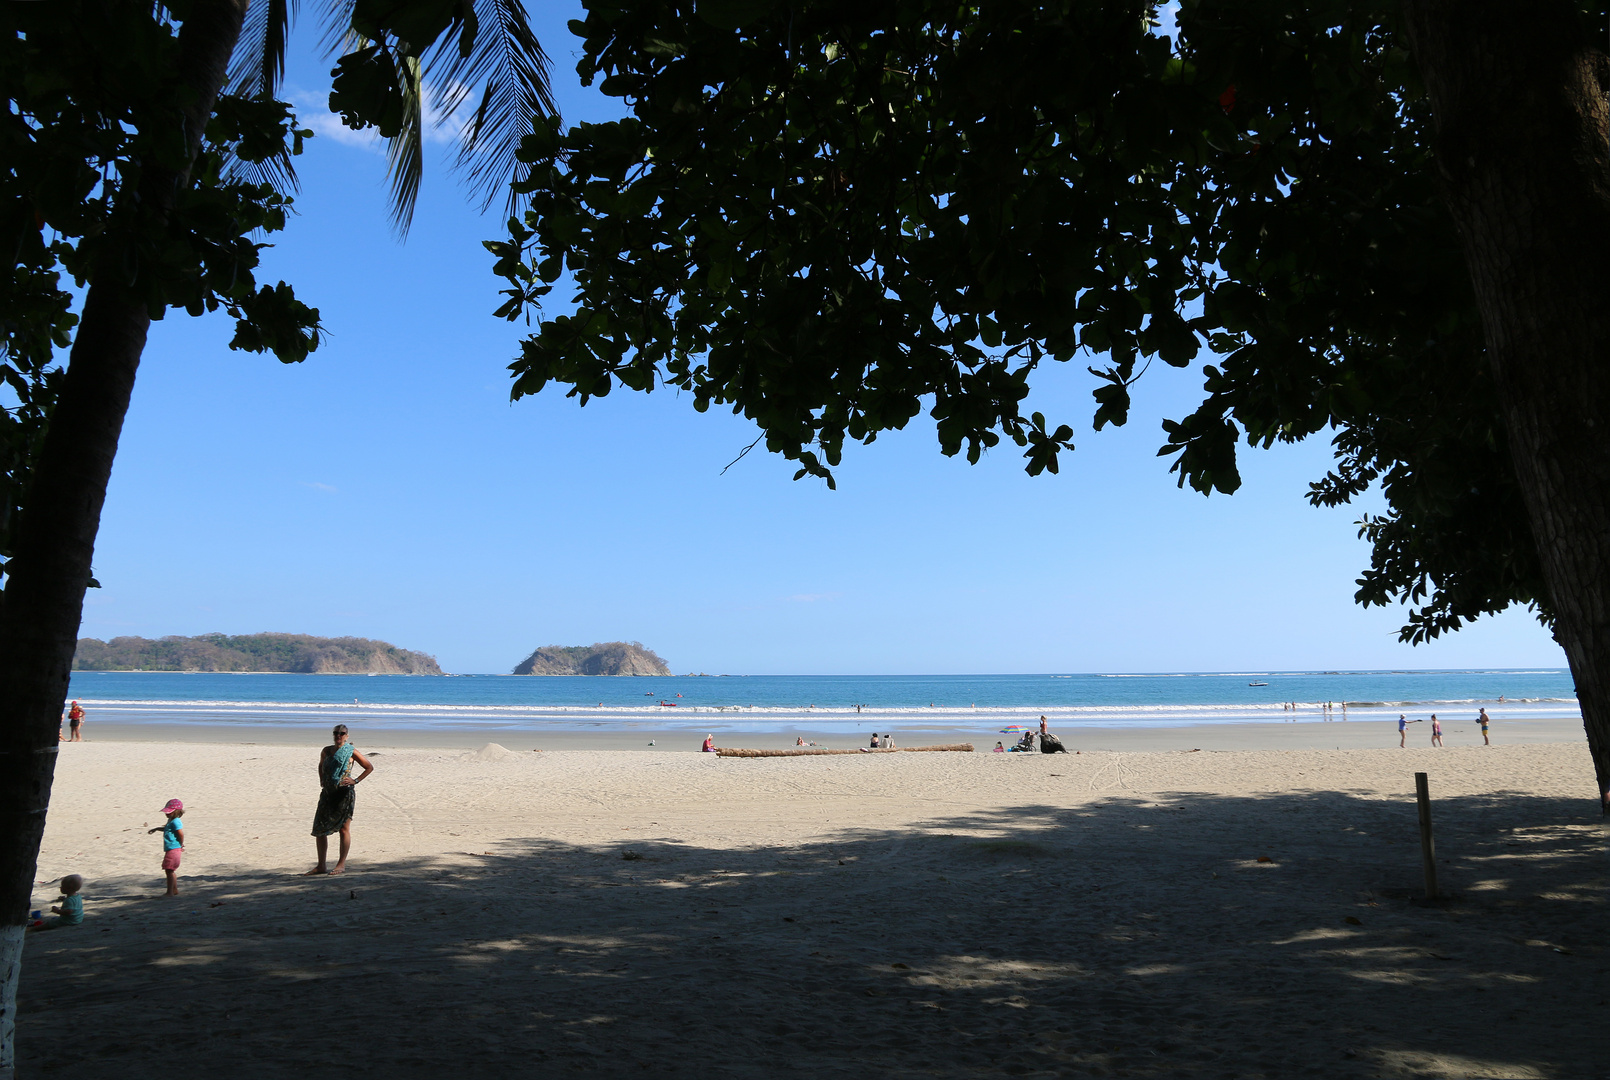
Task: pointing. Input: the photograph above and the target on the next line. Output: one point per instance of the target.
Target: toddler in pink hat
(172, 843)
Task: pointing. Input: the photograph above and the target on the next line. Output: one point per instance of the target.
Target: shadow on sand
(1129, 937)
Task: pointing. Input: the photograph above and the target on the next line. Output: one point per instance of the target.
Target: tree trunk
(55, 537)
(1518, 96)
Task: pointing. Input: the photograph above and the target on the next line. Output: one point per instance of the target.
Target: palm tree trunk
(1518, 96)
(55, 537)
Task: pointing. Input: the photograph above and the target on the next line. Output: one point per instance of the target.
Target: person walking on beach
(338, 799)
(172, 843)
(1043, 731)
(1403, 729)
(1436, 730)
(75, 723)
(1483, 719)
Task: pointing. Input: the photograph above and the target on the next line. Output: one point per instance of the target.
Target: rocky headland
(286, 653)
(603, 658)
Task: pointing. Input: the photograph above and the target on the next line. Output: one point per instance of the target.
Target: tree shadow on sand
(1129, 937)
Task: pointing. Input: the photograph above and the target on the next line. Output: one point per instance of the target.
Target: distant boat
(1257, 684)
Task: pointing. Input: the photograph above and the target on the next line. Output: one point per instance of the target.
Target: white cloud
(316, 486)
(313, 110)
(451, 126)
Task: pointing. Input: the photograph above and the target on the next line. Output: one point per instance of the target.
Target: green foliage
(830, 215)
(90, 117)
(296, 653)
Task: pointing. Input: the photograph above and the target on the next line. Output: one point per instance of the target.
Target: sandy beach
(1214, 912)
(1308, 735)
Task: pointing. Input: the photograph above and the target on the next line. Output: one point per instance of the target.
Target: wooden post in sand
(1428, 851)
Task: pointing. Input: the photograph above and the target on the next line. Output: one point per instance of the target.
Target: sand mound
(493, 752)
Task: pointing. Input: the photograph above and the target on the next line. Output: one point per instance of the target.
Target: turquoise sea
(815, 702)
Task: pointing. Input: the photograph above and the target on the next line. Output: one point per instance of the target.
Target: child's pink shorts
(171, 857)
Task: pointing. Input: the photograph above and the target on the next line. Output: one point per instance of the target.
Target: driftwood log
(963, 748)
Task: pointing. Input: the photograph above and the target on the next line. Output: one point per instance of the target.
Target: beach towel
(337, 802)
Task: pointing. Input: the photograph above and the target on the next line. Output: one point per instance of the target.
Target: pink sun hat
(174, 807)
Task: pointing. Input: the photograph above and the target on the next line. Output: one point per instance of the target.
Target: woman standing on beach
(338, 798)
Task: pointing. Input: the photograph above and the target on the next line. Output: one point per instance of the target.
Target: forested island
(603, 658)
(289, 653)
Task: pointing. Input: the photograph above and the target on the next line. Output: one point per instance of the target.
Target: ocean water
(830, 703)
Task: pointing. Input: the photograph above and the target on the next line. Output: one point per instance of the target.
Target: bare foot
(315, 871)
(338, 870)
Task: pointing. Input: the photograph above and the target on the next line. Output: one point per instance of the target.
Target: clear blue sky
(387, 488)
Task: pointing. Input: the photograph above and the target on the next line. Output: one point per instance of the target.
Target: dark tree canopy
(829, 215)
(91, 116)
(144, 153)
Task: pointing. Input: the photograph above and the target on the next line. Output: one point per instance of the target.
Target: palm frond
(258, 63)
(277, 172)
(492, 54)
(405, 154)
(507, 65)
(338, 37)
(255, 70)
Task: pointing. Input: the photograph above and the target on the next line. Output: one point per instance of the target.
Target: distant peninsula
(289, 653)
(604, 658)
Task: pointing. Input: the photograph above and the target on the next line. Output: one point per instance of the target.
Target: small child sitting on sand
(69, 909)
(70, 906)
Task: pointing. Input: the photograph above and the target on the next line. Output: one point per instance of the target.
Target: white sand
(954, 915)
